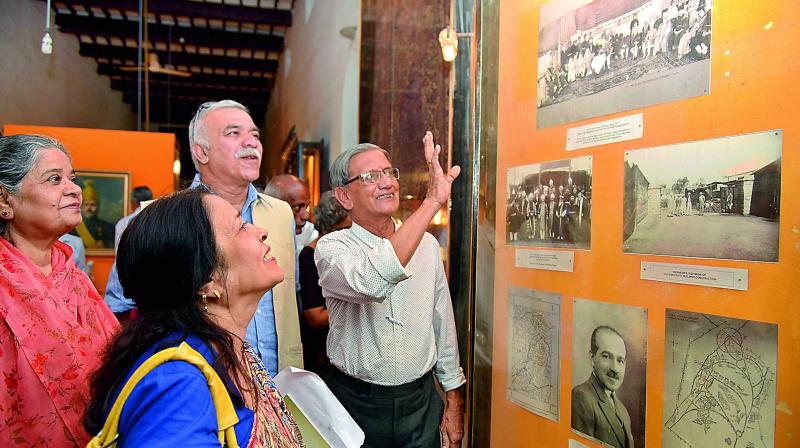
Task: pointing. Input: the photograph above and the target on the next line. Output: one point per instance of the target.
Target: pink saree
(52, 332)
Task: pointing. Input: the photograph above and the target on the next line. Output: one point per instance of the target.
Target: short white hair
(197, 129)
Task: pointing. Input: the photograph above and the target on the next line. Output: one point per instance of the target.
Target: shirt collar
(252, 193)
(366, 236)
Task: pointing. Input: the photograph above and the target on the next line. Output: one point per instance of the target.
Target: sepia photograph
(549, 204)
(609, 373)
(719, 381)
(598, 57)
(717, 198)
(105, 201)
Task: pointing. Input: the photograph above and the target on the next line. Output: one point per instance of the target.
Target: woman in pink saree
(53, 323)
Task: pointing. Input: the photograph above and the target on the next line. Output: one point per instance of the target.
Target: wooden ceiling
(230, 47)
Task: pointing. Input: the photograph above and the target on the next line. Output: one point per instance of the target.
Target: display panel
(739, 259)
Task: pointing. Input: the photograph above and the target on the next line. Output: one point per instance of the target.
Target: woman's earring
(217, 294)
(5, 214)
(204, 298)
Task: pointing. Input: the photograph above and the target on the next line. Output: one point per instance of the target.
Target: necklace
(274, 425)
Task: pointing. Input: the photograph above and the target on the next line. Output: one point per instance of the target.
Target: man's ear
(200, 154)
(343, 196)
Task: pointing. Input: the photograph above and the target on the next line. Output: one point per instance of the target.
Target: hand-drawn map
(533, 350)
(719, 382)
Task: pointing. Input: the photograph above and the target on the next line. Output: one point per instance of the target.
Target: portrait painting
(105, 201)
(597, 57)
(718, 198)
(549, 204)
(609, 373)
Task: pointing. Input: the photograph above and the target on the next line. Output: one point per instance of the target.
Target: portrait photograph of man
(609, 373)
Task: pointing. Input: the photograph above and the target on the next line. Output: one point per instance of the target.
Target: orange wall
(148, 156)
(753, 88)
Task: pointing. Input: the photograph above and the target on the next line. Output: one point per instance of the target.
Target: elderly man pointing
(391, 319)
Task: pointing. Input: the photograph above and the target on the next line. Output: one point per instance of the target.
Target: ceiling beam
(158, 33)
(186, 8)
(180, 90)
(200, 79)
(180, 112)
(189, 60)
(195, 99)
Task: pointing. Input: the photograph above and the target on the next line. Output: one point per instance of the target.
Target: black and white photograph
(609, 373)
(719, 381)
(598, 57)
(549, 204)
(717, 198)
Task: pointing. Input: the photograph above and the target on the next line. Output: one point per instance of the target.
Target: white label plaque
(687, 274)
(551, 260)
(605, 132)
(575, 444)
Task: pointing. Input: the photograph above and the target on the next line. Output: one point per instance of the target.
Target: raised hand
(439, 183)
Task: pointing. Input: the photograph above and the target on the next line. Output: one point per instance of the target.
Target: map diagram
(719, 382)
(533, 351)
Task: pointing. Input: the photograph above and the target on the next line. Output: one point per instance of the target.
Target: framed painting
(105, 201)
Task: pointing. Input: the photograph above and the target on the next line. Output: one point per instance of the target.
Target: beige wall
(60, 89)
(316, 88)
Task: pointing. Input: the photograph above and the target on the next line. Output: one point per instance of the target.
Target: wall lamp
(47, 41)
(448, 39)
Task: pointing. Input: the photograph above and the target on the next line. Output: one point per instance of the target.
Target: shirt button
(258, 311)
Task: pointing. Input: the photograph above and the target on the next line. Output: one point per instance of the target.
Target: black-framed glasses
(372, 177)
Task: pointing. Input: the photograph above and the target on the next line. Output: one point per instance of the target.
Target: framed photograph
(717, 198)
(549, 204)
(598, 57)
(609, 373)
(105, 201)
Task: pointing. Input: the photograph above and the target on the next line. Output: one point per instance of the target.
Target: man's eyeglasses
(372, 177)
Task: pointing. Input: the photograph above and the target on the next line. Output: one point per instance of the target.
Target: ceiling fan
(154, 66)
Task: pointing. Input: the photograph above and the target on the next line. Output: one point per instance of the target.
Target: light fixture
(448, 39)
(47, 41)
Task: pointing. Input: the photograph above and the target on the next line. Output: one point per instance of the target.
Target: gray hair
(18, 155)
(197, 129)
(340, 169)
(328, 213)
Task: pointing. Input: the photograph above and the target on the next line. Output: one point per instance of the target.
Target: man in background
(226, 151)
(596, 409)
(139, 194)
(294, 191)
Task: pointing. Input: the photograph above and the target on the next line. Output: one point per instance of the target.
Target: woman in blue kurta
(196, 273)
